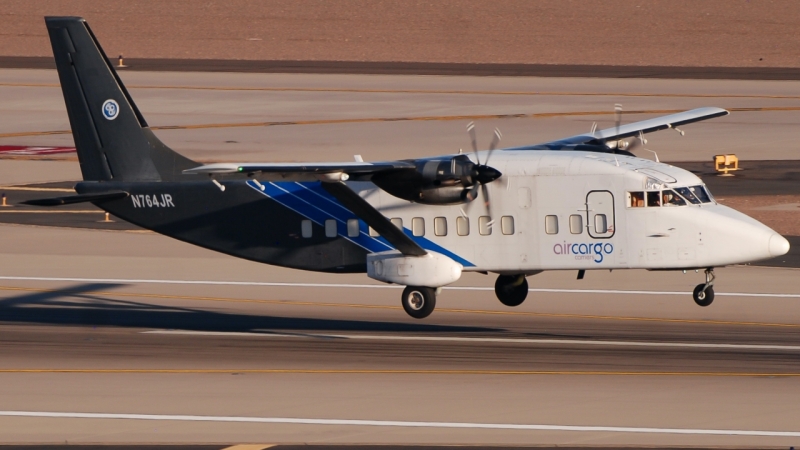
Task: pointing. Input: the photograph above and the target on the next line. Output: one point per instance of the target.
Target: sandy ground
(740, 33)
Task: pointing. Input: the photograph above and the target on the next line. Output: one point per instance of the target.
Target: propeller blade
(486, 201)
(474, 138)
(495, 140)
(618, 115)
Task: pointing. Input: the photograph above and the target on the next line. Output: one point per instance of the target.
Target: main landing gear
(704, 293)
(511, 290)
(419, 301)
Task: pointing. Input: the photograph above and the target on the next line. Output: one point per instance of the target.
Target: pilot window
(352, 228)
(670, 198)
(330, 228)
(635, 200)
(418, 226)
(687, 194)
(462, 226)
(485, 225)
(398, 222)
(702, 193)
(576, 223)
(600, 224)
(507, 225)
(653, 199)
(440, 226)
(305, 228)
(551, 224)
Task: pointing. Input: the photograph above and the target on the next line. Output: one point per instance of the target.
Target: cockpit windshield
(680, 196)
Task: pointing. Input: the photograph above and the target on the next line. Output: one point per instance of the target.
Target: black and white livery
(580, 203)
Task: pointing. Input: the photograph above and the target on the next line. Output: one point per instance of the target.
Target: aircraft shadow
(86, 305)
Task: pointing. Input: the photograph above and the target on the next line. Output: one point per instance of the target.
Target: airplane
(580, 203)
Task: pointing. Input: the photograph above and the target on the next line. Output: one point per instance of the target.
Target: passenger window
(330, 228)
(576, 223)
(672, 199)
(440, 226)
(653, 199)
(507, 225)
(373, 233)
(635, 200)
(305, 228)
(418, 226)
(462, 226)
(600, 224)
(352, 228)
(485, 225)
(398, 222)
(551, 224)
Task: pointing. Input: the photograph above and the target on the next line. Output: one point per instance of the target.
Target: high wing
(326, 171)
(600, 137)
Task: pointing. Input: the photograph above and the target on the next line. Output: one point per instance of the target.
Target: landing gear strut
(419, 301)
(704, 293)
(511, 290)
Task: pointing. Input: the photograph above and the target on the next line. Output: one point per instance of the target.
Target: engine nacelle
(431, 270)
(447, 181)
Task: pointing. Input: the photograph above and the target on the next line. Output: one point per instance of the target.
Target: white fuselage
(558, 210)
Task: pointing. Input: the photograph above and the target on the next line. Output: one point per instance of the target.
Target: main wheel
(703, 297)
(510, 290)
(419, 302)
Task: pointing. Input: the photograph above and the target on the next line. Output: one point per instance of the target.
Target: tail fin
(111, 135)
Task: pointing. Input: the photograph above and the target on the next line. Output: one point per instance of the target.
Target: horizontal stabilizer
(80, 198)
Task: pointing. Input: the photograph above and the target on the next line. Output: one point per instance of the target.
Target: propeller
(482, 174)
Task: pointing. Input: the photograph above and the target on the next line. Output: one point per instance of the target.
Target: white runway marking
(399, 423)
(480, 340)
(376, 286)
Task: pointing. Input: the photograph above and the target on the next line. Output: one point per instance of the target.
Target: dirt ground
(722, 33)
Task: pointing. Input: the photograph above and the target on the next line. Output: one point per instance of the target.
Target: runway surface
(204, 348)
(120, 336)
(231, 116)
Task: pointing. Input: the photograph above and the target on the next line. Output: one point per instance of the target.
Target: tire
(419, 302)
(508, 293)
(703, 298)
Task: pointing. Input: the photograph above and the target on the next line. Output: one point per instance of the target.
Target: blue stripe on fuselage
(310, 200)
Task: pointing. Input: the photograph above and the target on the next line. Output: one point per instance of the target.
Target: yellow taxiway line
(438, 310)
(428, 91)
(410, 119)
(404, 372)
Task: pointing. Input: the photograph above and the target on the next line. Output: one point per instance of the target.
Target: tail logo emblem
(110, 109)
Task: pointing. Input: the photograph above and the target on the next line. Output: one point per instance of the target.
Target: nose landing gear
(419, 301)
(511, 290)
(704, 293)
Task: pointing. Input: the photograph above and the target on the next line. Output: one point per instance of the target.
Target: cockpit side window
(670, 198)
(636, 199)
(688, 194)
(702, 194)
(653, 199)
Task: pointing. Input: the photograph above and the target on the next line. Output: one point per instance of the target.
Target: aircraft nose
(778, 245)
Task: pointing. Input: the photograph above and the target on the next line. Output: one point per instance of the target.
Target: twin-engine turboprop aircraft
(581, 203)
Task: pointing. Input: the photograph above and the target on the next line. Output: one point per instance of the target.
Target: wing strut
(374, 218)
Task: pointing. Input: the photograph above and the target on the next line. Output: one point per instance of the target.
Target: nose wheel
(704, 293)
(511, 290)
(419, 301)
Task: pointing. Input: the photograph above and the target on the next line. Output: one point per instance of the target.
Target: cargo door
(600, 214)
